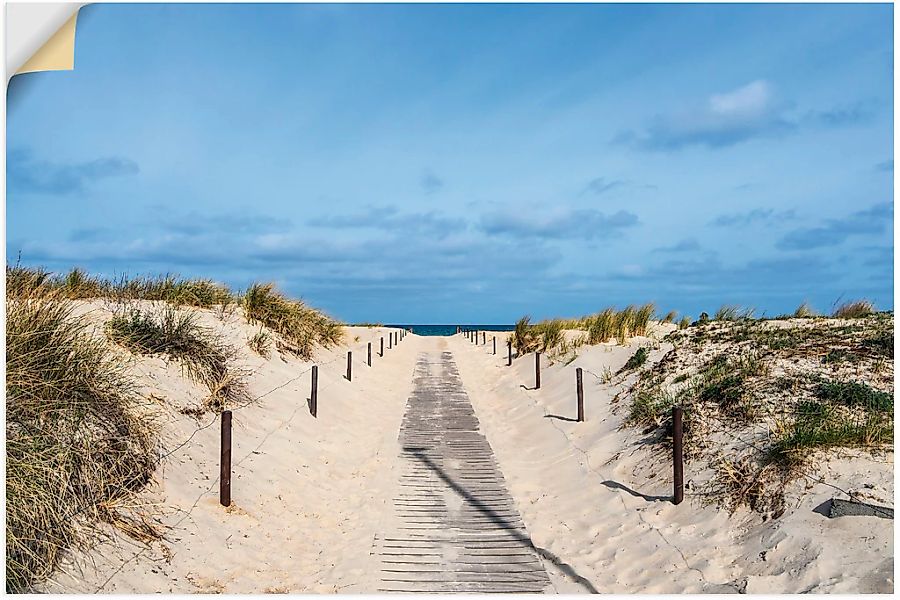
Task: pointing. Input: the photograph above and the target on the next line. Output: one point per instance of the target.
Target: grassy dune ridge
(765, 399)
(80, 438)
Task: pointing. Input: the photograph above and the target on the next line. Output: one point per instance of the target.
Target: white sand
(309, 494)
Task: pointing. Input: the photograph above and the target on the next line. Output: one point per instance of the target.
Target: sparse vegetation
(77, 441)
(261, 343)
(730, 312)
(765, 397)
(636, 360)
(176, 334)
(804, 311)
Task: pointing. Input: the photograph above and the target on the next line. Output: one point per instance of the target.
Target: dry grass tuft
(77, 443)
(177, 335)
(855, 309)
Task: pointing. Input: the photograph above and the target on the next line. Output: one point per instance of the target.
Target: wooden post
(678, 454)
(382, 347)
(390, 340)
(537, 370)
(225, 461)
(369, 354)
(579, 384)
(495, 344)
(314, 391)
(349, 365)
(509, 353)
(484, 338)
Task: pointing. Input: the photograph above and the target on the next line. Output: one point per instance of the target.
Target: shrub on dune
(76, 441)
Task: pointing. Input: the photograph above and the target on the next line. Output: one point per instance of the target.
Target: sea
(450, 329)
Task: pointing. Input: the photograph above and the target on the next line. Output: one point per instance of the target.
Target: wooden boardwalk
(455, 527)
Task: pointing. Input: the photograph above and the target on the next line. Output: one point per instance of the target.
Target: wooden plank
(457, 529)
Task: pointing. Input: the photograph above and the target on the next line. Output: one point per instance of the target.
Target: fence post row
(537, 370)
(349, 365)
(579, 384)
(369, 354)
(225, 461)
(678, 454)
(314, 392)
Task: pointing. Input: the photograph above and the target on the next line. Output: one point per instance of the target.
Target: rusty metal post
(369, 354)
(678, 454)
(225, 461)
(349, 365)
(495, 344)
(314, 391)
(537, 370)
(509, 353)
(579, 384)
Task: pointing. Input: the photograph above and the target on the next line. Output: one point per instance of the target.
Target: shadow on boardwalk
(567, 569)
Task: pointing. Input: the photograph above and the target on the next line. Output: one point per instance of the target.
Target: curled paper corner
(57, 53)
(40, 37)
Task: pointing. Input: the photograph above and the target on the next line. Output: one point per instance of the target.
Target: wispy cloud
(757, 215)
(431, 183)
(30, 175)
(725, 119)
(871, 221)
(389, 218)
(573, 224)
(247, 222)
(686, 245)
(601, 185)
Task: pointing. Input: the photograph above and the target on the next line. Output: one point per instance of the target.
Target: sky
(469, 163)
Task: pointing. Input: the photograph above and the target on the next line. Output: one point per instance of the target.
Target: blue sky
(469, 163)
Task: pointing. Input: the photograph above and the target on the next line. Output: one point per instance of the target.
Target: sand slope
(307, 493)
(591, 494)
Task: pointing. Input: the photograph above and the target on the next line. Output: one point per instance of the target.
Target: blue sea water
(451, 329)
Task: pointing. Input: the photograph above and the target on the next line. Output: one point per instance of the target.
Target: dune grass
(855, 309)
(77, 442)
(177, 335)
(261, 343)
(77, 284)
(636, 360)
(805, 311)
(300, 326)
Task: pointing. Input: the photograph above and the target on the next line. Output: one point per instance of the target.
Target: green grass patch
(636, 360)
(853, 393)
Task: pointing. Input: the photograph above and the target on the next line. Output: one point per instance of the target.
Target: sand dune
(310, 494)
